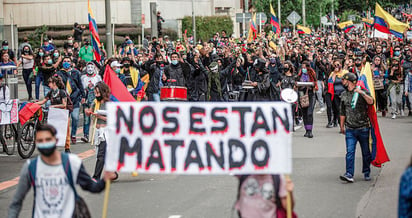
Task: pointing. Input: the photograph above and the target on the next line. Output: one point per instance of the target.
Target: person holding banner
(58, 99)
(53, 175)
(99, 136)
(357, 125)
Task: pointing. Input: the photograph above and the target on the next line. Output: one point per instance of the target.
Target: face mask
(66, 65)
(117, 70)
(86, 43)
(46, 148)
(384, 49)
(41, 54)
(50, 61)
(26, 51)
(339, 51)
(69, 54)
(358, 64)
(140, 62)
(56, 55)
(70, 41)
(5, 47)
(304, 70)
(89, 69)
(99, 98)
(175, 62)
(126, 65)
(346, 87)
(397, 53)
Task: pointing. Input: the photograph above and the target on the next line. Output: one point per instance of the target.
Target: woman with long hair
(308, 75)
(27, 61)
(395, 88)
(378, 73)
(98, 110)
(335, 89)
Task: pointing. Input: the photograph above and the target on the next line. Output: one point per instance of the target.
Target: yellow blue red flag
(94, 32)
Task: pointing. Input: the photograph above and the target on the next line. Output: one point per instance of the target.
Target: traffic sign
(243, 17)
(293, 17)
(261, 18)
(324, 20)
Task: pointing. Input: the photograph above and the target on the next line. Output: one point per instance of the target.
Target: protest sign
(59, 118)
(199, 138)
(9, 111)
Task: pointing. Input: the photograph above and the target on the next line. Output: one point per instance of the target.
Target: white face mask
(90, 69)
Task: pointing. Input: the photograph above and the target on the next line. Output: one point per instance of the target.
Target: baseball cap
(115, 64)
(350, 77)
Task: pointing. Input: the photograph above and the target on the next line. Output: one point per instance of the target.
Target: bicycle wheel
(26, 140)
(8, 138)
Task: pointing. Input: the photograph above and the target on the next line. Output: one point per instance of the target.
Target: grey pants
(319, 94)
(396, 98)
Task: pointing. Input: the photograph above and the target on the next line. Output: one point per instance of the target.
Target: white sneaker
(393, 116)
(402, 113)
(323, 109)
(319, 112)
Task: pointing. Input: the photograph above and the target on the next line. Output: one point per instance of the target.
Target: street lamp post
(193, 22)
(109, 45)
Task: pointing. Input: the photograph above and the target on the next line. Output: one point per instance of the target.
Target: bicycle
(9, 136)
(27, 134)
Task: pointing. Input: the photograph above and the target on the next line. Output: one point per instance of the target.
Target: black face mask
(99, 98)
(346, 87)
(358, 64)
(46, 151)
(86, 43)
(126, 65)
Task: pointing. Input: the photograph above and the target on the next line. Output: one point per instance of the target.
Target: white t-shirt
(54, 195)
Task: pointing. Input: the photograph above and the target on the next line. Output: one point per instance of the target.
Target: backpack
(280, 211)
(80, 207)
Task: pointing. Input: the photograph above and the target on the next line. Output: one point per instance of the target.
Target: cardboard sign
(199, 138)
(59, 119)
(9, 111)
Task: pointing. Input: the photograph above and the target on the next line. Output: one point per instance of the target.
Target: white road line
(175, 216)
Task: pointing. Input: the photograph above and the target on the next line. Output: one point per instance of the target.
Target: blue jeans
(156, 97)
(39, 79)
(74, 115)
(86, 123)
(352, 137)
(46, 90)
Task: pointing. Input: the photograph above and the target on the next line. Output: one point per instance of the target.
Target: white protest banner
(199, 138)
(59, 118)
(9, 111)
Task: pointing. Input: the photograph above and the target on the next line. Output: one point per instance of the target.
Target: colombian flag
(274, 21)
(94, 34)
(346, 26)
(365, 82)
(367, 22)
(252, 29)
(118, 91)
(303, 29)
(384, 22)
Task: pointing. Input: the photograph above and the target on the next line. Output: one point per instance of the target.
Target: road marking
(175, 216)
(12, 182)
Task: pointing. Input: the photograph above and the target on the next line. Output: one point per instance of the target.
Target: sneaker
(67, 150)
(347, 178)
(73, 140)
(85, 139)
(367, 177)
(330, 125)
(402, 113)
(393, 116)
(384, 114)
(319, 112)
(410, 114)
(335, 124)
(310, 135)
(323, 109)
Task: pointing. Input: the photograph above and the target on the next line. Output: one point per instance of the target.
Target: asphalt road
(317, 164)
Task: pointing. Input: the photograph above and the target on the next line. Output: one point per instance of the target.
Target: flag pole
(106, 199)
(288, 201)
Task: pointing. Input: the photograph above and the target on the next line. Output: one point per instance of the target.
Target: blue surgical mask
(41, 54)
(140, 62)
(117, 70)
(66, 65)
(175, 62)
(46, 148)
(5, 47)
(50, 61)
(397, 53)
(56, 55)
(304, 70)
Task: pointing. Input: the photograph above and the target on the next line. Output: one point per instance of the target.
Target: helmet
(350, 77)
